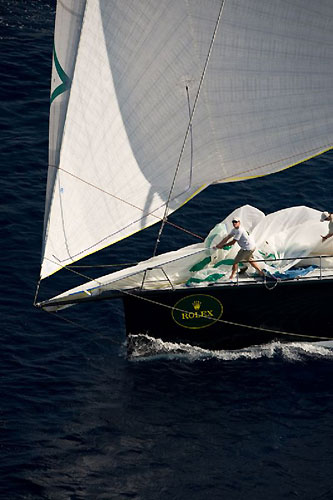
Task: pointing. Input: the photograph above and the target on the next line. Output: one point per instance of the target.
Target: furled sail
(259, 72)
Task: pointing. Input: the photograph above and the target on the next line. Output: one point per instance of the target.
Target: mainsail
(259, 72)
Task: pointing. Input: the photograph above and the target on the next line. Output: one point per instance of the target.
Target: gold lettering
(196, 314)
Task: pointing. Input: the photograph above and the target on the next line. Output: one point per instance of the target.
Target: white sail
(265, 103)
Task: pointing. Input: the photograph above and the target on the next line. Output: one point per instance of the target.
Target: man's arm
(326, 237)
(225, 240)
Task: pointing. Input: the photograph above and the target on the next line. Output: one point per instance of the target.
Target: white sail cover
(263, 76)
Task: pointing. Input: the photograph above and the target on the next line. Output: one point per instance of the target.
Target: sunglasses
(235, 221)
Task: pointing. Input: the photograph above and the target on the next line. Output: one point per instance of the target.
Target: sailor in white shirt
(247, 247)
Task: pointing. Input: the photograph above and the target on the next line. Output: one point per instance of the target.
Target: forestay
(265, 104)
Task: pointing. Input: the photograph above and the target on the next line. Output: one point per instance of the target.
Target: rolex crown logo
(196, 304)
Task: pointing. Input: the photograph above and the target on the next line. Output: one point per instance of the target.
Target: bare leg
(234, 269)
(255, 265)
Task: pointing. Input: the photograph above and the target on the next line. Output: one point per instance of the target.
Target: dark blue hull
(234, 317)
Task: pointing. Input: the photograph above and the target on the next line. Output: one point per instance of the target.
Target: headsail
(265, 104)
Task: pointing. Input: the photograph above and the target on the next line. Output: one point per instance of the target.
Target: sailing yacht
(152, 102)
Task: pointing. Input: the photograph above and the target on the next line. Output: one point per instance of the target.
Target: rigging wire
(79, 274)
(189, 126)
(159, 219)
(176, 226)
(36, 292)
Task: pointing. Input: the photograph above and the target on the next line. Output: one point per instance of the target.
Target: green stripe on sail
(200, 265)
(66, 82)
(225, 262)
(210, 278)
(267, 255)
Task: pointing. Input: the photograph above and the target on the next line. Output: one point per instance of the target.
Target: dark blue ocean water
(78, 420)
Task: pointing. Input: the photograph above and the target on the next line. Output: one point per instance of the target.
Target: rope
(272, 285)
(76, 272)
(37, 290)
(189, 125)
(185, 230)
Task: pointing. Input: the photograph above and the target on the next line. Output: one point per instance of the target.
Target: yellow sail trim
(201, 188)
(235, 179)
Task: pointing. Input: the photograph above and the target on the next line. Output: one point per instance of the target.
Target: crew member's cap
(235, 219)
(324, 216)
